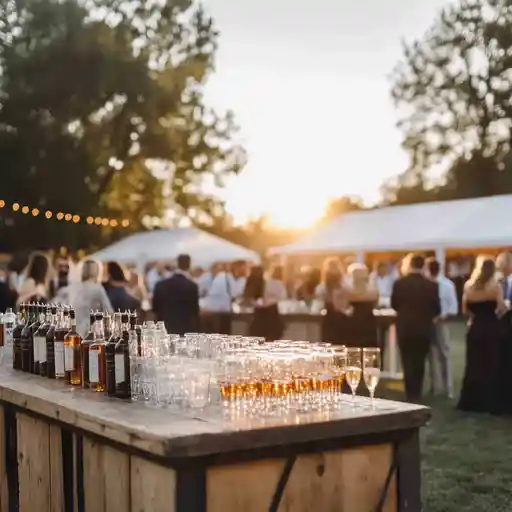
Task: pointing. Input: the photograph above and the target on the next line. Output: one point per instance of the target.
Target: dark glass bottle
(122, 360)
(27, 341)
(60, 333)
(16, 337)
(40, 343)
(84, 349)
(110, 349)
(50, 344)
(36, 341)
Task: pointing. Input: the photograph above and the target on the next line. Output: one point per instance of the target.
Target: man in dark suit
(415, 298)
(176, 300)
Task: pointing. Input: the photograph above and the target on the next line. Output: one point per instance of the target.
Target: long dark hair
(255, 285)
(332, 275)
(38, 268)
(484, 272)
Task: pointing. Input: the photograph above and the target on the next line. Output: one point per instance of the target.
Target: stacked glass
(246, 374)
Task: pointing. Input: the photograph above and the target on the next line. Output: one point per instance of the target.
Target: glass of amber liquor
(73, 353)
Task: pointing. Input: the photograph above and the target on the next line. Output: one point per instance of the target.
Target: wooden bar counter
(74, 451)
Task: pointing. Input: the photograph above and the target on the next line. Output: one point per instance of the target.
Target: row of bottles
(45, 342)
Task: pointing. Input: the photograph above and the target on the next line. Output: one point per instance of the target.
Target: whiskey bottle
(16, 337)
(60, 333)
(50, 343)
(8, 328)
(84, 348)
(72, 353)
(122, 360)
(97, 356)
(40, 343)
(110, 349)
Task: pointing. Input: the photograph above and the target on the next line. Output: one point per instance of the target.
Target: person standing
(176, 300)
(439, 355)
(415, 298)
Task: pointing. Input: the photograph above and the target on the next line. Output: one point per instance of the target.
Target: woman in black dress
(483, 302)
(334, 295)
(264, 295)
(362, 300)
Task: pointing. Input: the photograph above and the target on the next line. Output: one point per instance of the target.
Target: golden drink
(353, 376)
(371, 378)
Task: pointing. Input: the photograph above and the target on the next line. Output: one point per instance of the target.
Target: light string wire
(65, 217)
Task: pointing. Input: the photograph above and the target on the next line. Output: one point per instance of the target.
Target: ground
(467, 458)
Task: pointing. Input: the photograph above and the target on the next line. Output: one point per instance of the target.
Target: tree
(101, 110)
(341, 205)
(453, 90)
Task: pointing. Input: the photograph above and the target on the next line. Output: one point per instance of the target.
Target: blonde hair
(359, 274)
(92, 270)
(483, 273)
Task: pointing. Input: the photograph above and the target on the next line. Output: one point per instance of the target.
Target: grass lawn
(467, 458)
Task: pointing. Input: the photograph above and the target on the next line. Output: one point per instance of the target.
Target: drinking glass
(371, 369)
(353, 370)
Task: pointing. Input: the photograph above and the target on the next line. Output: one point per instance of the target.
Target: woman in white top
(264, 295)
(86, 294)
(36, 279)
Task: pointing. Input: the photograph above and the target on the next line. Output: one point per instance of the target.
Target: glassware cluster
(244, 375)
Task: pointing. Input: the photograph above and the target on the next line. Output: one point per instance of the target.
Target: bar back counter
(73, 451)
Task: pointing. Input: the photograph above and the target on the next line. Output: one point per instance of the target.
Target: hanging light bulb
(25, 210)
(68, 217)
(105, 222)
(125, 223)
(48, 214)
(2, 203)
(35, 212)
(60, 216)
(113, 223)
(90, 220)
(76, 219)
(15, 207)
(97, 221)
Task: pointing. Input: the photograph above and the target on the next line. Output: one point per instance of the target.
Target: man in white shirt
(383, 280)
(217, 303)
(439, 357)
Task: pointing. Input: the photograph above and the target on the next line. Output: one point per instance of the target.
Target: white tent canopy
(465, 223)
(167, 244)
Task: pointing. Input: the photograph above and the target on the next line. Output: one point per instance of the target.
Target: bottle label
(59, 358)
(120, 373)
(39, 343)
(8, 339)
(94, 370)
(69, 359)
(42, 350)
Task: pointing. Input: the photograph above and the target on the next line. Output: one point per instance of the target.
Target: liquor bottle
(122, 360)
(84, 350)
(60, 333)
(108, 325)
(50, 343)
(40, 343)
(110, 349)
(9, 323)
(36, 343)
(97, 356)
(16, 337)
(2, 335)
(73, 353)
(27, 350)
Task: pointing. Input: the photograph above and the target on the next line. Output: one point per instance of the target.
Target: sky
(308, 83)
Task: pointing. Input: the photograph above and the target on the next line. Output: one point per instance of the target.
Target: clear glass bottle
(9, 324)
(72, 353)
(36, 344)
(40, 343)
(60, 333)
(97, 356)
(50, 342)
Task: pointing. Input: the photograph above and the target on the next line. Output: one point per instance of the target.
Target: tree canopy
(453, 90)
(102, 113)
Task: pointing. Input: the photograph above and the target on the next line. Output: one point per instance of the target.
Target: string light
(68, 217)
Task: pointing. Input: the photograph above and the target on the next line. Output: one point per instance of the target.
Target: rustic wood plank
(342, 481)
(116, 469)
(56, 474)
(33, 463)
(4, 490)
(94, 477)
(189, 434)
(153, 488)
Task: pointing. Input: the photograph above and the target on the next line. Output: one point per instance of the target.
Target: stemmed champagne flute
(371, 369)
(353, 370)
